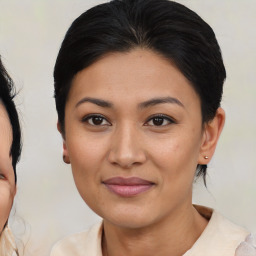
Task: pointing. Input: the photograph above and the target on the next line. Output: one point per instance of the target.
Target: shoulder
(247, 247)
(220, 237)
(7, 243)
(229, 229)
(77, 244)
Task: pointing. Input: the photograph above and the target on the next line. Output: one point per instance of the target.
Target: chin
(129, 219)
(129, 223)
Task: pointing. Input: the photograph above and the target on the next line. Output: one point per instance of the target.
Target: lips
(128, 187)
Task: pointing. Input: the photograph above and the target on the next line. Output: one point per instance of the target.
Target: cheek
(87, 163)
(86, 152)
(6, 200)
(87, 155)
(176, 168)
(176, 150)
(176, 158)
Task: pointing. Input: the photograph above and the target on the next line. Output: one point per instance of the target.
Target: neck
(172, 236)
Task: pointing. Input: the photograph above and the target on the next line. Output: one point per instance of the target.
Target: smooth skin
(7, 179)
(134, 114)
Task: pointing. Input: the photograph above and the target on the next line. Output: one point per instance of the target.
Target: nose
(126, 147)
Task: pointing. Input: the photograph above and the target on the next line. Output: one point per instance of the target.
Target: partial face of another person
(134, 137)
(7, 179)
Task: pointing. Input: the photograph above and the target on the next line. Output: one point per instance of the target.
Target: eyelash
(2, 177)
(164, 118)
(91, 116)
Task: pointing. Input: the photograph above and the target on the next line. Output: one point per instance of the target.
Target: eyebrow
(99, 102)
(145, 104)
(156, 101)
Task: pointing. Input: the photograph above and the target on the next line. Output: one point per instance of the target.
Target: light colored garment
(7, 243)
(248, 247)
(220, 238)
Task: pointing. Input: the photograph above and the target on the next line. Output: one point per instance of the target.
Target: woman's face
(133, 135)
(7, 179)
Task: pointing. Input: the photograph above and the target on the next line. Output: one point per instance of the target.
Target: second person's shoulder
(80, 243)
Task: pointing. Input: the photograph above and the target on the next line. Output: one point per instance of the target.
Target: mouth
(128, 187)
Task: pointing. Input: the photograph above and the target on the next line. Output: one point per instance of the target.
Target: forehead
(138, 74)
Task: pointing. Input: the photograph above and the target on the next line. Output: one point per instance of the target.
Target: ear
(211, 134)
(65, 150)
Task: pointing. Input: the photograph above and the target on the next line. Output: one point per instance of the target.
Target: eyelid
(2, 177)
(166, 117)
(87, 117)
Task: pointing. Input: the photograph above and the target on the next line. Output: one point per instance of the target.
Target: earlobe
(65, 150)
(65, 159)
(212, 131)
(65, 153)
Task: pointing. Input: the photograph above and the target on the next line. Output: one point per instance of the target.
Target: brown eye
(159, 120)
(96, 120)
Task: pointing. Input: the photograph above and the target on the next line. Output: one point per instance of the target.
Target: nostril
(126, 160)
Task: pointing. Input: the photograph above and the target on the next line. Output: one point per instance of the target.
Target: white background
(48, 206)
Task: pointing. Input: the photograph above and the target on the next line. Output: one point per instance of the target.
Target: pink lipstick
(127, 187)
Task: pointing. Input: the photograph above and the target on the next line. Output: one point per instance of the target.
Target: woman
(10, 148)
(138, 86)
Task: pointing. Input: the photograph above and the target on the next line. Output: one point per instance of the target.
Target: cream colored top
(220, 238)
(7, 243)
